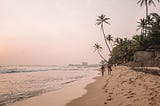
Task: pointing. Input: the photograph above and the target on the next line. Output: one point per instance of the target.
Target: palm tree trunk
(142, 32)
(146, 8)
(101, 56)
(146, 16)
(105, 38)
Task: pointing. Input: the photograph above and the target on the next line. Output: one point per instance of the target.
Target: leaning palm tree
(110, 39)
(98, 48)
(147, 3)
(101, 20)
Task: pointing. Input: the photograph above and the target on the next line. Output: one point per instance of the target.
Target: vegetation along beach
(79, 53)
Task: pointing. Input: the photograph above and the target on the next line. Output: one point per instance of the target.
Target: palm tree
(150, 19)
(141, 42)
(118, 41)
(98, 48)
(123, 51)
(100, 21)
(142, 26)
(155, 22)
(154, 29)
(147, 3)
(110, 39)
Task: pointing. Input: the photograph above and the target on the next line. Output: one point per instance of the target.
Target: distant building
(94, 65)
(84, 64)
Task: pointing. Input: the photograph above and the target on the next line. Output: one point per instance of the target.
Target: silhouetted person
(109, 66)
(102, 70)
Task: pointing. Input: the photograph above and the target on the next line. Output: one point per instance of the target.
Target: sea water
(21, 82)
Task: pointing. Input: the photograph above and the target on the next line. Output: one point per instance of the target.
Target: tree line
(122, 49)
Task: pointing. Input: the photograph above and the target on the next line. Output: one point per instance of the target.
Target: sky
(62, 32)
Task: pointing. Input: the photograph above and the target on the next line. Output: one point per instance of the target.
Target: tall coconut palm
(110, 39)
(147, 3)
(98, 48)
(101, 20)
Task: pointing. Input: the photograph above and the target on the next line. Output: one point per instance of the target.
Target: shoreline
(94, 94)
(59, 97)
(90, 98)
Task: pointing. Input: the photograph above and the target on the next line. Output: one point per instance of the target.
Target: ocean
(18, 82)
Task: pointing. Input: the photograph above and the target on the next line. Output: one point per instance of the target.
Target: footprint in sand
(129, 92)
(105, 102)
(122, 89)
(120, 104)
(109, 99)
(110, 93)
(151, 93)
(130, 96)
(153, 103)
(106, 90)
(110, 96)
(129, 105)
(123, 82)
(136, 100)
(125, 94)
(139, 84)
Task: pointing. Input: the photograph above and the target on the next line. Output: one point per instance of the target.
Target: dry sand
(124, 87)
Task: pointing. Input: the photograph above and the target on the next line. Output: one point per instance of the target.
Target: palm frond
(141, 2)
(107, 22)
(151, 2)
(98, 23)
(138, 29)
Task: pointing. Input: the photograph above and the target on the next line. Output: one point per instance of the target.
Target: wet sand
(59, 97)
(124, 87)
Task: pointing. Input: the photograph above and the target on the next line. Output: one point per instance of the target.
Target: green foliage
(154, 29)
(141, 42)
(124, 49)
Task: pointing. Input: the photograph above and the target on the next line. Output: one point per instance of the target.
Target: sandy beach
(124, 87)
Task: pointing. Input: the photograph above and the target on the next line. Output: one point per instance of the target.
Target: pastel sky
(60, 32)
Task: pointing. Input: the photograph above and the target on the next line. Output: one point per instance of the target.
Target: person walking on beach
(102, 70)
(109, 66)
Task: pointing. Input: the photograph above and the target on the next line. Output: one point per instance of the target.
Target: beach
(124, 87)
